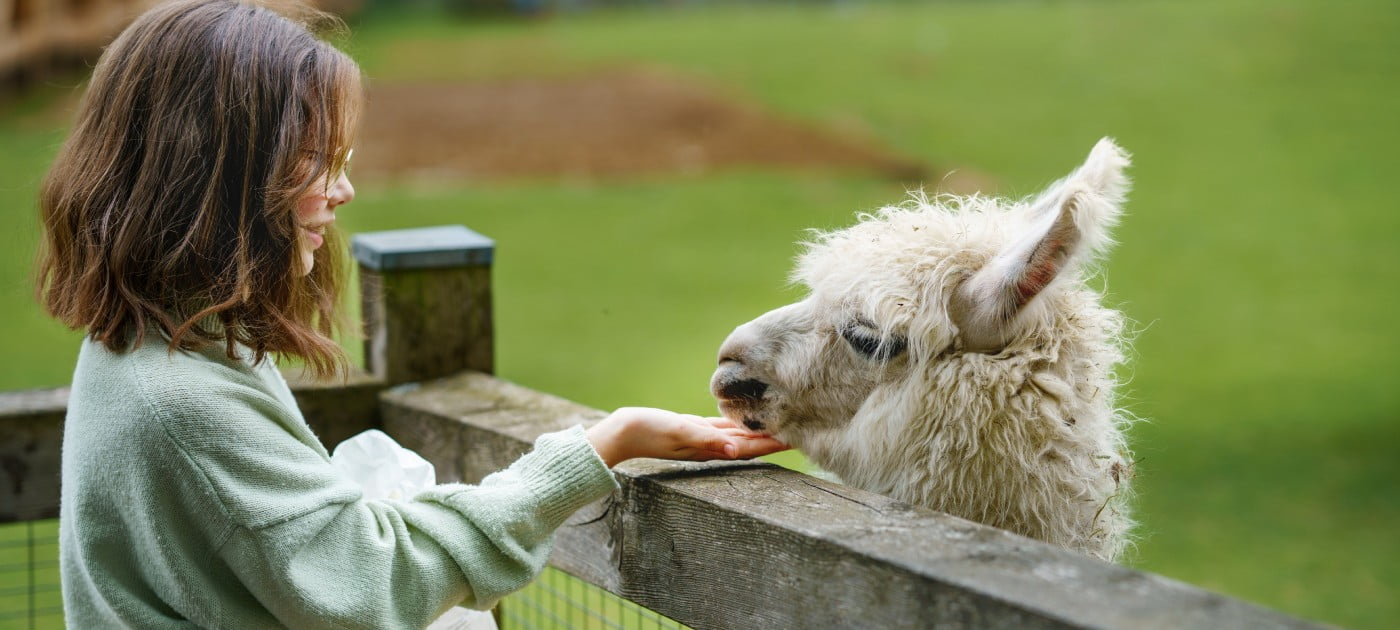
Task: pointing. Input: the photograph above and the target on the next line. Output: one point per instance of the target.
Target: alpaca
(950, 355)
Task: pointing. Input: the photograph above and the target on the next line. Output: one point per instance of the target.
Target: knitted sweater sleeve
(388, 564)
(316, 554)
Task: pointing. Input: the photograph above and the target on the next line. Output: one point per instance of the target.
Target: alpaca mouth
(735, 409)
(742, 411)
(737, 393)
(746, 412)
(740, 399)
(750, 390)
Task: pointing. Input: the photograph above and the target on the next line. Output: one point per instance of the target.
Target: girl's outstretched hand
(643, 432)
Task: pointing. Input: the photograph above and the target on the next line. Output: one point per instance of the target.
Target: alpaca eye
(866, 339)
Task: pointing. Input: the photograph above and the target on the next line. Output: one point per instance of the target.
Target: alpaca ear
(1068, 224)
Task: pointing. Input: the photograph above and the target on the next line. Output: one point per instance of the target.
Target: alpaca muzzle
(740, 398)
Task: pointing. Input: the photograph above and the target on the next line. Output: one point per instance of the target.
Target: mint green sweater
(195, 495)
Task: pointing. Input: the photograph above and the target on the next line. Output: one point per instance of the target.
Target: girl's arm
(401, 564)
(313, 553)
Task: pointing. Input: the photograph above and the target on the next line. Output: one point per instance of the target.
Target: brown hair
(172, 204)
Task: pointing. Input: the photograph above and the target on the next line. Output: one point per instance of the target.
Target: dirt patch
(606, 125)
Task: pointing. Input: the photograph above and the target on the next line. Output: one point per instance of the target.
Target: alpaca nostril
(748, 389)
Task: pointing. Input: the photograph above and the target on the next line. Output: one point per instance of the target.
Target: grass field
(1259, 256)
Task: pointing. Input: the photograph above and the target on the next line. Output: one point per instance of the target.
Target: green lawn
(1259, 255)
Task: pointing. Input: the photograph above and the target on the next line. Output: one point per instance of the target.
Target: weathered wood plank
(427, 323)
(725, 545)
(338, 408)
(426, 302)
(517, 416)
(31, 435)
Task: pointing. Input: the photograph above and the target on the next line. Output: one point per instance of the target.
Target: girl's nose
(342, 191)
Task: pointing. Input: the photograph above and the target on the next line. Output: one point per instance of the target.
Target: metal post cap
(422, 248)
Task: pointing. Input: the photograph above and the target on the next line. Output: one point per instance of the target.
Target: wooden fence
(713, 545)
(39, 36)
(36, 35)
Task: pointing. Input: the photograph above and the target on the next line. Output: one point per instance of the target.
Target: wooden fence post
(426, 298)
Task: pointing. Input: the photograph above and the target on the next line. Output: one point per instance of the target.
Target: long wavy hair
(172, 205)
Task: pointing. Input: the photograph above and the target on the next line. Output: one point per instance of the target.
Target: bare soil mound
(607, 125)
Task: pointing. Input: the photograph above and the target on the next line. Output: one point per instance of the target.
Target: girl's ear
(1067, 225)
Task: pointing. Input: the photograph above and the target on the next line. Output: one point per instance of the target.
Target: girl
(188, 229)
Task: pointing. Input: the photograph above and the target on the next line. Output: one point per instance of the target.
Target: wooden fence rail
(715, 545)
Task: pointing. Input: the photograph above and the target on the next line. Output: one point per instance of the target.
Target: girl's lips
(316, 239)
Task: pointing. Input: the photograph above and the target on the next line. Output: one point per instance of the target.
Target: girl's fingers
(723, 445)
(732, 427)
(699, 455)
(744, 433)
(706, 438)
(745, 449)
(721, 423)
(726, 423)
(759, 446)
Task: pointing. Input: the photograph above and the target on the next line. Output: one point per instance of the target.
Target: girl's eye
(345, 166)
(867, 341)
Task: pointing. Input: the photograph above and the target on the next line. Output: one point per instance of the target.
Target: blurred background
(647, 168)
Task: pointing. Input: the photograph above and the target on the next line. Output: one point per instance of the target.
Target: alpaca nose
(731, 353)
(734, 380)
(736, 347)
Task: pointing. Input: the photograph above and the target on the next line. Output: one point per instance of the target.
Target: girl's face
(316, 211)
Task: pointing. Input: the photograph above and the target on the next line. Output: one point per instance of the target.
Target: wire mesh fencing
(560, 600)
(30, 598)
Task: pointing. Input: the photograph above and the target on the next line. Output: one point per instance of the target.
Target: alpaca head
(914, 286)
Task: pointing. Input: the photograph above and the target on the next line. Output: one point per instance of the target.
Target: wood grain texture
(339, 408)
(750, 545)
(426, 323)
(31, 437)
